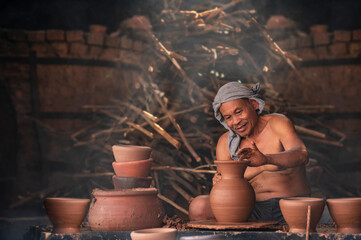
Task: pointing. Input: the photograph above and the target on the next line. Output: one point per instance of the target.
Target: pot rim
(302, 199)
(65, 199)
(124, 192)
(130, 147)
(133, 162)
(350, 199)
(232, 161)
(149, 231)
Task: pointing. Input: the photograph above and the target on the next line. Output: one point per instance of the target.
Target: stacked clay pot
(132, 205)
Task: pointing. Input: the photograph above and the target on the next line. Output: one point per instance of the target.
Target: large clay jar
(294, 211)
(346, 212)
(125, 209)
(232, 198)
(66, 214)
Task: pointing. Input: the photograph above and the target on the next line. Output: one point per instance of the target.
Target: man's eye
(227, 117)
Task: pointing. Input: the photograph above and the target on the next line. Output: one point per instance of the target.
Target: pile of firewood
(191, 53)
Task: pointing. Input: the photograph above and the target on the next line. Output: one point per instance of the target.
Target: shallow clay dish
(128, 153)
(66, 214)
(132, 169)
(131, 182)
(346, 212)
(294, 211)
(154, 234)
(204, 237)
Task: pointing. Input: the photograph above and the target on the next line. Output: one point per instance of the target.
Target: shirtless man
(277, 155)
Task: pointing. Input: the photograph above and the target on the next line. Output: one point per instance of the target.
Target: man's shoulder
(274, 118)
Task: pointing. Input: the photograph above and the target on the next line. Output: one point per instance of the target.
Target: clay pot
(132, 169)
(204, 237)
(131, 182)
(295, 209)
(125, 210)
(346, 212)
(154, 234)
(232, 198)
(66, 214)
(318, 29)
(128, 153)
(200, 209)
(98, 29)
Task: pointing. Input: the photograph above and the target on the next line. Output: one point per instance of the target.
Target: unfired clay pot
(127, 153)
(66, 214)
(132, 169)
(98, 29)
(295, 209)
(318, 29)
(232, 198)
(125, 210)
(154, 234)
(200, 209)
(346, 212)
(131, 182)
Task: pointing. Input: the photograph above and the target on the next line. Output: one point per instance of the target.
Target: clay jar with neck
(232, 198)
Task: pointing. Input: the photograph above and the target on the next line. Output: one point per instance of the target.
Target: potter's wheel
(213, 224)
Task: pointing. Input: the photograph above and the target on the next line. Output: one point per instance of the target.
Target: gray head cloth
(232, 91)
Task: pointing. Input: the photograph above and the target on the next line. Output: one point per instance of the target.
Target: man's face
(240, 115)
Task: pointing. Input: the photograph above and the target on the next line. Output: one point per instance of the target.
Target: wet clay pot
(132, 169)
(294, 211)
(346, 212)
(128, 153)
(232, 198)
(66, 214)
(154, 234)
(131, 182)
(125, 209)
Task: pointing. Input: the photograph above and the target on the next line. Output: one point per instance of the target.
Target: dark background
(79, 14)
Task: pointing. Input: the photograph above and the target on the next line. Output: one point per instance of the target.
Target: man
(277, 155)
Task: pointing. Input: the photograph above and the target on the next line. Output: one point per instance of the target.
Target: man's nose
(236, 120)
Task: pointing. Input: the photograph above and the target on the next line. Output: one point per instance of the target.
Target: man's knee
(200, 209)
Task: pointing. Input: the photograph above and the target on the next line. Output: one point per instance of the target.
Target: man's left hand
(253, 155)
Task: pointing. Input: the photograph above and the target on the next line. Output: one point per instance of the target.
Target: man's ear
(254, 104)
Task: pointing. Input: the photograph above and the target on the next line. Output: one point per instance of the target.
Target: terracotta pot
(346, 212)
(200, 209)
(318, 29)
(66, 214)
(154, 234)
(131, 182)
(132, 169)
(232, 198)
(295, 209)
(125, 210)
(98, 29)
(128, 153)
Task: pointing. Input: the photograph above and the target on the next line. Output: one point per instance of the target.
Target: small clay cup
(294, 211)
(131, 182)
(346, 212)
(133, 169)
(128, 153)
(66, 214)
(154, 234)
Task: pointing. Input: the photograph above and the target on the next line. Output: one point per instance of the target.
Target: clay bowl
(133, 169)
(154, 234)
(131, 182)
(204, 237)
(346, 212)
(66, 214)
(128, 153)
(294, 211)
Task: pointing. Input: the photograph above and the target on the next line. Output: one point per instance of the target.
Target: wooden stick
(176, 125)
(328, 142)
(164, 168)
(310, 132)
(173, 204)
(183, 193)
(308, 222)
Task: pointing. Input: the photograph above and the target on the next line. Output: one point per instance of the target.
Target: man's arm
(294, 154)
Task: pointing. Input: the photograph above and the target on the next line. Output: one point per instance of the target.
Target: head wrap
(232, 91)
